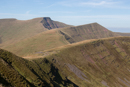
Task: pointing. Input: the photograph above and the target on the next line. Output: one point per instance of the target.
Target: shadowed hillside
(18, 72)
(13, 30)
(85, 32)
(97, 63)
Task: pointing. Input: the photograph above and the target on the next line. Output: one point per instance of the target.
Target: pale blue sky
(109, 13)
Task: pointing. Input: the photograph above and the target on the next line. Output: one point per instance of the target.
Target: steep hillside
(18, 72)
(85, 32)
(13, 30)
(97, 63)
(123, 34)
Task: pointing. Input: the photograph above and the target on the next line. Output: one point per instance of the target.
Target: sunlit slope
(35, 45)
(85, 32)
(13, 30)
(18, 72)
(100, 63)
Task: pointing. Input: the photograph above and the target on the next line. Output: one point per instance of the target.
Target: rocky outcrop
(48, 23)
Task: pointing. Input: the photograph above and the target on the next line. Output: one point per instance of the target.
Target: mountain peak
(46, 18)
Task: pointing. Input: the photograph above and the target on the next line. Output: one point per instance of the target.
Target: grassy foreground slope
(85, 32)
(100, 63)
(13, 30)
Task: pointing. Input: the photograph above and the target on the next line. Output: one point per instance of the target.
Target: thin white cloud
(123, 17)
(18, 16)
(95, 3)
(101, 3)
(57, 12)
(27, 12)
(50, 6)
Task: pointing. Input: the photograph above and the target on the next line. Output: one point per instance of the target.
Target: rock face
(48, 23)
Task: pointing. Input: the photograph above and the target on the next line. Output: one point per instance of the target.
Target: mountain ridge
(59, 37)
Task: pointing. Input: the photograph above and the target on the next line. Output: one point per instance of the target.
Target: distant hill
(85, 32)
(123, 34)
(13, 30)
(97, 63)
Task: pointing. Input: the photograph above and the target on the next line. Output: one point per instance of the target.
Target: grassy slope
(105, 62)
(89, 31)
(43, 41)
